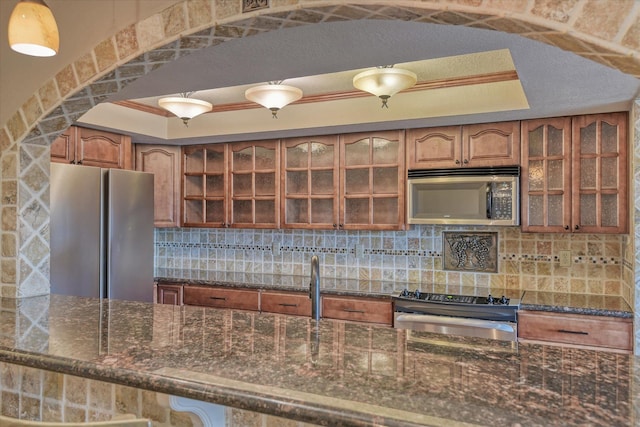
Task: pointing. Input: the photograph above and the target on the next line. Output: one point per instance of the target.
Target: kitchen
(391, 241)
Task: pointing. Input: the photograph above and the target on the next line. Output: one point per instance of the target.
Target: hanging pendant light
(184, 106)
(33, 29)
(384, 82)
(273, 96)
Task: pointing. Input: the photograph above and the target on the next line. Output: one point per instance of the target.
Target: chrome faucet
(314, 288)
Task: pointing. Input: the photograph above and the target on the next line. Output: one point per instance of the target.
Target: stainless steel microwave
(472, 196)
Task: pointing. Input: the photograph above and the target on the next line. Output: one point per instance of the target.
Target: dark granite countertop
(333, 373)
(561, 302)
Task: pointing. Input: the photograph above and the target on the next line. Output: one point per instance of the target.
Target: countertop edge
(577, 310)
(289, 408)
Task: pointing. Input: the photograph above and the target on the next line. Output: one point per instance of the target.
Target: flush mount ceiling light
(384, 82)
(185, 107)
(273, 96)
(33, 30)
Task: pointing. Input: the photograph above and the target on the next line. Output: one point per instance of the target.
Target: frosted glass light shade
(273, 96)
(384, 82)
(185, 108)
(33, 30)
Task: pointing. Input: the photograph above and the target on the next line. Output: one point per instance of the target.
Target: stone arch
(610, 37)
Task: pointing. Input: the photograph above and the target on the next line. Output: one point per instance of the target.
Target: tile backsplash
(526, 261)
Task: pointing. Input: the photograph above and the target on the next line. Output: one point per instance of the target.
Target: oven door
(505, 331)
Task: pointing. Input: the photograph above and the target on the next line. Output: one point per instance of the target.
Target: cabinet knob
(566, 227)
(577, 227)
(335, 225)
(341, 225)
(457, 162)
(465, 161)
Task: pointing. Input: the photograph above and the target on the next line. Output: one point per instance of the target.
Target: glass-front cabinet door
(309, 183)
(600, 173)
(254, 184)
(372, 181)
(546, 175)
(204, 186)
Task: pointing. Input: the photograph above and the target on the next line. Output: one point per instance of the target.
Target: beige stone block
(85, 67)
(8, 271)
(199, 12)
(32, 111)
(543, 268)
(554, 10)
(9, 219)
(105, 53)
(75, 390)
(174, 20)
(8, 291)
(9, 166)
(5, 141)
(66, 80)
(9, 192)
(517, 6)
(9, 248)
(595, 287)
(127, 42)
(52, 385)
(49, 95)
(127, 399)
(16, 126)
(612, 287)
(602, 19)
(227, 8)
(632, 38)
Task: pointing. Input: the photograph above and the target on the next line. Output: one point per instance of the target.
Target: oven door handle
(456, 325)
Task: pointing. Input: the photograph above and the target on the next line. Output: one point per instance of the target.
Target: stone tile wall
(526, 261)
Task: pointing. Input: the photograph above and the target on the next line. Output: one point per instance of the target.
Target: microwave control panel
(501, 200)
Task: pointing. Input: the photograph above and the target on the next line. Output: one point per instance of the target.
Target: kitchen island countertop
(331, 373)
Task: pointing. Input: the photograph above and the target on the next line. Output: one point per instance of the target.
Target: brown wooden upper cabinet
(352, 181)
(574, 174)
(372, 181)
(91, 147)
(163, 161)
(204, 186)
(254, 184)
(231, 185)
(488, 144)
(309, 182)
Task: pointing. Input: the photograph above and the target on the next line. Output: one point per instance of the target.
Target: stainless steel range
(476, 316)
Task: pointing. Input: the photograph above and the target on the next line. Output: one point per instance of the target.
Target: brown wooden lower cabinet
(582, 330)
(371, 310)
(169, 294)
(241, 299)
(297, 303)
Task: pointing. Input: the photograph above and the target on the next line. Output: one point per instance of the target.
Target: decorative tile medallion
(470, 251)
(251, 5)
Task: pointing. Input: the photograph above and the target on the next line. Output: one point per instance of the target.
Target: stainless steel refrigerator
(101, 232)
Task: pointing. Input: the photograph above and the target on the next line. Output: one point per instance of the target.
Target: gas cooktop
(466, 306)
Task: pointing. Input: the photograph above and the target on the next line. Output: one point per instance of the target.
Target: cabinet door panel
(169, 294)
(63, 148)
(164, 163)
(103, 149)
(434, 148)
(599, 190)
(358, 309)
(254, 189)
(222, 298)
(204, 186)
(309, 183)
(372, 177)
(491, 144)
(546, 175)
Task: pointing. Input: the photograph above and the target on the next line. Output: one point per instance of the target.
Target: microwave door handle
(489, 200)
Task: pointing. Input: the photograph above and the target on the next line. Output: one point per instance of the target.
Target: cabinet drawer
(359, 309)
(286, 303)
(221, 298)
(170, 294)
(593, 331)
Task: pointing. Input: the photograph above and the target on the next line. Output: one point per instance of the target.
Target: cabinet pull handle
(566, 331)
(351, 310)
(566, 227)
(577, 227)
(219, 298)
(284, 304)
